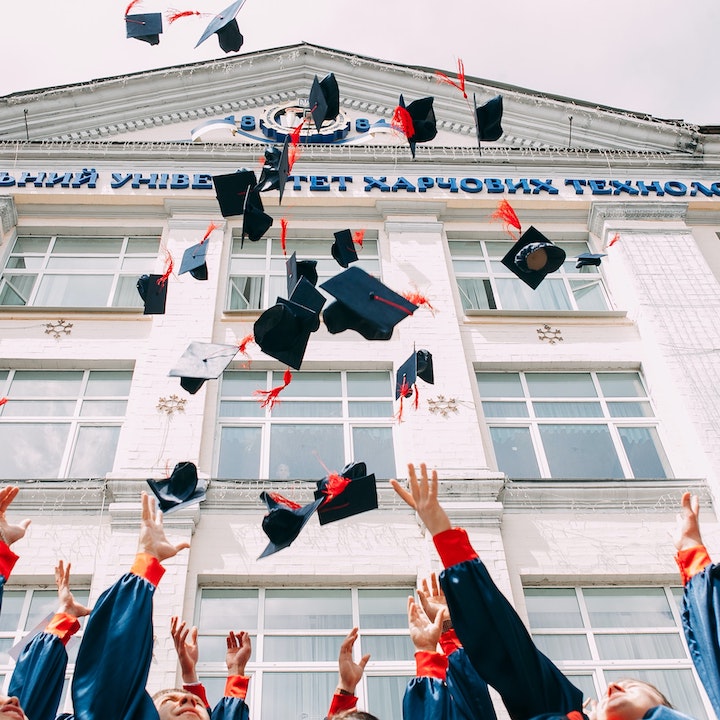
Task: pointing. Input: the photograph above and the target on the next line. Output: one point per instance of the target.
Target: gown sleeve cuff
(342, 702)
(7, 560)
(64, 626)
(449, 642)
(236, 686)
(148, 566)
(198, 689)
(691, 561)
(454, 547)
(431, 664)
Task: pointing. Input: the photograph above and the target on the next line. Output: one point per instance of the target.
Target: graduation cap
(275, 170)
(488, 118)
(193, 261)
(364, 304)
(231, 191)
(350, 492)
(417, 121)
(283, 330)
(145, 26)
(284, 521)
(181, 489)
(225, 26)
(418, 365)
(343, 249)
(297, 269)
(153, 291)
(201, 362)
(324, 100)
(256, 222)
(588, 258)
(533, 257)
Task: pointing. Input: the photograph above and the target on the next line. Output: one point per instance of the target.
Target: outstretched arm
(692, 557)
(186, 647)
(349, 675)
(8, 535)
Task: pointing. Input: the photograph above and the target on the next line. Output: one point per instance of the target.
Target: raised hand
(152, 538)
(432, 597)
(238, 652)
(422, 496)
(10, 533)
(687, 528)
(68, 604)
(424, 633)
(186, 647)
(350, 672)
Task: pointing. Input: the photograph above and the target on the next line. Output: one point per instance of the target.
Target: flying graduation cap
(488, 118)
(297, 269)
(256, 222)
(343, 248)
(284, 520)
(275, 169)
(418, 365)
(350, 492)
(231, 191)
(201, 362)
(181, 489)
(533, 256)
(416, 121)
(153, 291)
(225, 26)
(193, 259)
(589, 259)
(324, 100)
(144, 26)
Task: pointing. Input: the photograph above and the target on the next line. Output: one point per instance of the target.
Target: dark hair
(663, 700)
(354, 715)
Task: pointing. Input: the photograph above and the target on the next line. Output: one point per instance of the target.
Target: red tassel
(507, 215)
(392, 304)
(418, 298)
(402, 121)
(294, 150)
(283, 235)
(460, 84)
(3, 400)
(400, 411)
(615, 238)
(173, 15)
(282, 500)
(358, 237)
(168, 269)
(334, 486)
(242, 347)
(210, 228)
(270, 397)
(130, 6)
(417, 396)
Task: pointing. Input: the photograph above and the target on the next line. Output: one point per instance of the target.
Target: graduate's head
(629, 699)
(354, 715)
(175, 704)
(10, 708)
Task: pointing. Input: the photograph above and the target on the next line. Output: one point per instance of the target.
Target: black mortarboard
(423, 119)
(297, 269)
(324, 100)
(153, 292)
(364, 304)
(589, 259)
(201, 362)
(232, 189)
(275, 169)
(256, 222)
(284, 521)
(488, 118)
(418, 365)
(182, 488)
(145, 26)
(193, 261)
(226, 27)
(283, 330)
(343, 249)
(533, 257)
(351, 492)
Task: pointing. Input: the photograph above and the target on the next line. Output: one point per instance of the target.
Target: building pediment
(253, 92)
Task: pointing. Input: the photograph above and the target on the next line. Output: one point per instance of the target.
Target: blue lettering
(675, 188)
(53, 179)
(403, 184)
(341, 180)
(707, 192)
(471, 185)
(547, 186)
(598, 187)
(36, 180)
(6, 180)
(621, 187)
(449, 184)
(424, 183)
(577, 184)
(163, 181)
(715, 187)
(371, 182)
(202, 181)
(513, 187)
(247, 122)
(139, 180)
(494, 185)
(297, 179)
(86, 177)
(362, 125)
(118, 180)
(179, 181)
(319, 182)
(654, 186)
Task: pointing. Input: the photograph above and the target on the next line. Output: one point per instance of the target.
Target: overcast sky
(650, 56)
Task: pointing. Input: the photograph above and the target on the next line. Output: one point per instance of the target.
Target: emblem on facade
(548, 334)
(171, 405)
(442, 405)
(58, 328)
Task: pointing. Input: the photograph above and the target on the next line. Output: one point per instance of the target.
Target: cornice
(634, 212)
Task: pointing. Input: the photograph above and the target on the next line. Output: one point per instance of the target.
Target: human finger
(364, 661)
(403, 493)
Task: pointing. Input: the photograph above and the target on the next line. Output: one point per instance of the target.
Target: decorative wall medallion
(552, 335)
(58, 328)
(171, 405)
(442, 405)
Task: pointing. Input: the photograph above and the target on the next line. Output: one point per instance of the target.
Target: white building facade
(564, 422)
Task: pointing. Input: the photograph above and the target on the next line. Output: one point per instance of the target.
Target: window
(257, 270)
(61, 423)
(589, 425)
(485, 283)
(296, 636)
(22, 612)
(324, 419)
(600, 634)
(77, 272)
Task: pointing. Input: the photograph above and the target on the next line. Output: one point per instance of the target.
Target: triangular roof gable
(167, 104)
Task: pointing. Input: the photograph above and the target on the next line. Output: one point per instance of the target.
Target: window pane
(305, 609)
(630, 409)
(371, 408)
(110, 246)
(384, 694)
(584, 683)
(321, 384)
(300, 446)
(375, 444)
(238, 383)
(83, 263)
(43, 603)
(108, 383)
(563, 647)
(392, 648)
(16, 289)
(241, 408)
(94, 454)
(32, 450)
(296, 695)
(465, 248)
(564, 385)
(301, 649)
(505, 409)
(222, 610)
(476, 294)
(553, 608)
(308, 409)
(39, 408)
(46, 383)
(621, 384)
(588, 295)
(580, 451)
(514, 452)
(628, 607)
(143, 245)
(638, 647)
(12, 604)
(498, 385)
(567, 409)
(516, 295)
(28, 244)
(126, 294)
(382, 609)
(368, 384)
(5, 645)
(74, 290)
(246, 292)
(644, 453)
(240, 453)
(103, 408)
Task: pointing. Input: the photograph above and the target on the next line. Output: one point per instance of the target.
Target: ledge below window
(541, 314)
